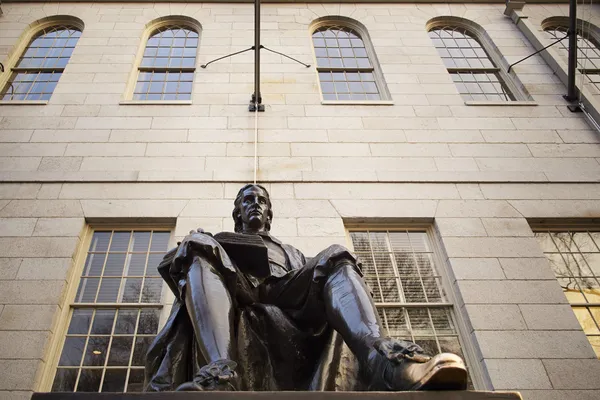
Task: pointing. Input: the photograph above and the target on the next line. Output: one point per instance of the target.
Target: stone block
(142, 191)
(574, 373)
(521, 136)
(444, 136)
(564, 150)
(17, 226)
(538, 164)
(60, 164)
(285, 227)
(42, 208)
(185, 225)
(15, 135)
(511, 292)
(489, 150)
(507, 227)
(49, 191)
(19, 190)
(186, 149)
(148, 135)
(460, 227)
(475, 208)
(37, 247)
(330, 149)
(527, 268)
(456, 164)
(185, 123)
(557, 208)
(475, 123)
(312, 245)
(70, 135)
(19, 163)
(9, 267)
(59, 227)
(31, 292)
(374, 136)
(320, 227)
(106, 149)
(14, 395)
(476, 268)
(264, 149)
(549, 317)
(491, 247)
(18, 374)
(49, 268)
(385, 208)
(550, 123)
(132, 209)
(541, 191)
(535, 344)
(517, 374)
(379, 191)
(22, 344)
(207, 208)
(495, 317)
(469, 191)
(373, 164)
(29, 318)
(410, 150)
(114, 122)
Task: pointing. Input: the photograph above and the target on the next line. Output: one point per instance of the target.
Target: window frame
(568, 226)
(477, 32)
(453, 302)
(361, 30)
(149, 30)
(23, 43)
(69, 304)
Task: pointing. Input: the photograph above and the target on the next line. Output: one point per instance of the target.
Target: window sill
(23, 102)
(155, 102)
(357, 102)
(501, 103)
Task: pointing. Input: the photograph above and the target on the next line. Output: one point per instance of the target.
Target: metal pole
(257, 96)
(571, 90)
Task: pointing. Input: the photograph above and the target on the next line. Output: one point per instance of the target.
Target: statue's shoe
(410, 369)
(216, 376)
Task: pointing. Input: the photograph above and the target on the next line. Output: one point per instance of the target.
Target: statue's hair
(237, 218)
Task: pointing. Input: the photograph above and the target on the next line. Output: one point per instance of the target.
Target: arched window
(166, 70)
(588, 45)
(41, 64)
(346, 64)
(473, 61)
(475, 75)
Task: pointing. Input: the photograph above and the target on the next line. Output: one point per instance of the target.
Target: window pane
(64, 381)
(80, 322)
(114, 380)
(72, 351)
(89, 380)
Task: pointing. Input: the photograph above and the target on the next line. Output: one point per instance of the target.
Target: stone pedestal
(454, 395)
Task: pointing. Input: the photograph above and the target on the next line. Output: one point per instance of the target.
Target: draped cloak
(289, 347)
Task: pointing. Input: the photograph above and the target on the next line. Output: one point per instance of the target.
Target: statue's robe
(277, 348)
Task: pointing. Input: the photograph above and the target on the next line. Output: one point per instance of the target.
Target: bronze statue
(252, 313)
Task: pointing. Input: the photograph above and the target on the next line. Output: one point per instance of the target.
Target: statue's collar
(272, 238)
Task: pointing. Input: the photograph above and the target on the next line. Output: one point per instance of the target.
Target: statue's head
(252, 209)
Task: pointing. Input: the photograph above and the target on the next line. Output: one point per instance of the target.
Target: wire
(255, 138)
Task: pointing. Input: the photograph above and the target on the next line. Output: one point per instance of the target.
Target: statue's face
(254, 209)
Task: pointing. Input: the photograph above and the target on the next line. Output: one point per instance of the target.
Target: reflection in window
(399, 268)
(38, 70)
(345, 71)
(115, 315)
(474, 73)
(168, 64)
(588, 51)
(575, 260)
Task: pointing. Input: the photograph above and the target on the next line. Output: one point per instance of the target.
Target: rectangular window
(115, 314)
(399, 267)
(575, 259)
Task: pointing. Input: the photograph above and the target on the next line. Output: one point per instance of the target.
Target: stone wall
(476, 173)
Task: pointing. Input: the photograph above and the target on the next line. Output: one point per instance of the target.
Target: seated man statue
(252, 313)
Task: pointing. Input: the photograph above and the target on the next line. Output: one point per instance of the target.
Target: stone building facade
(470, 186)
